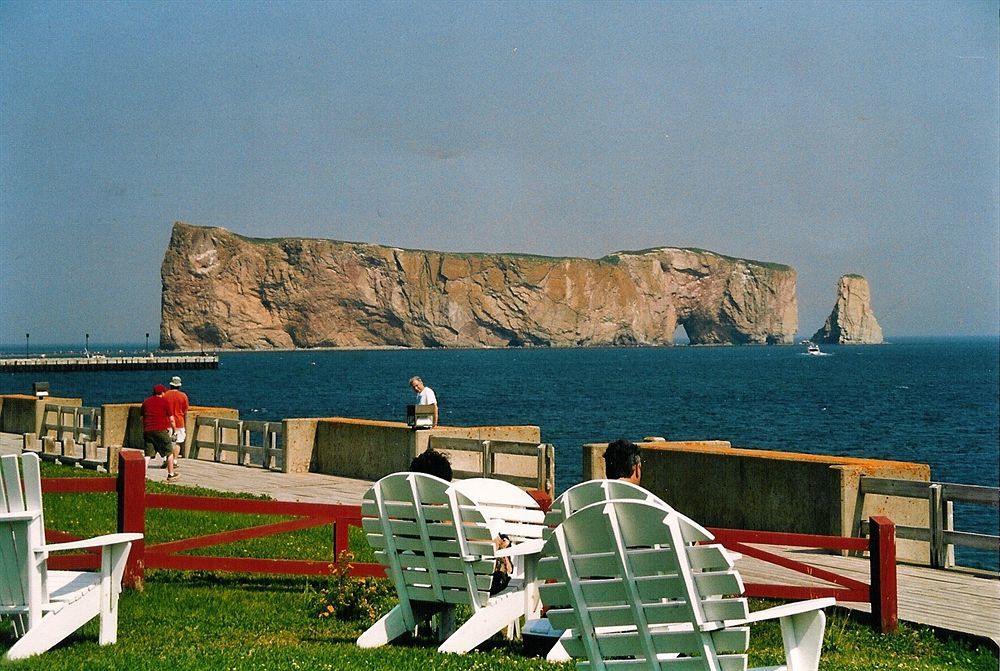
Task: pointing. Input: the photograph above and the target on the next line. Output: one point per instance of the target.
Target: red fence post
(341, 535)
(543, 499)
(883, 574)
(132, 512)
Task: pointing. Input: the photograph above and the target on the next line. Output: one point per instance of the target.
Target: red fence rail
(134, 501)
(881, 546)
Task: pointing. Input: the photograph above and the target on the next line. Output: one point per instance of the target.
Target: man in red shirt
(157, 425)
(178, 402)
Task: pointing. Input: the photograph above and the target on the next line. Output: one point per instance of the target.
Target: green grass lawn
(206, 621)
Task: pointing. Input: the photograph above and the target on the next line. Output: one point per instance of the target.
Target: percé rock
(852, 321)
(223, 290)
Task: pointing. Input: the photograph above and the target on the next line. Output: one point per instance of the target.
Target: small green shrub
(348, 598)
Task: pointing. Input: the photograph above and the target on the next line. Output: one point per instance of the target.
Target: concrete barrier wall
(123, 423)
(721, 486)
(23, 413)
(371, 449)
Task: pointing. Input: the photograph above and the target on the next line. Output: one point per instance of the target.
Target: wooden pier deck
(107, 363)
(950, 600)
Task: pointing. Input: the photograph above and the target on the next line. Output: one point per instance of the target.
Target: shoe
(172, 476)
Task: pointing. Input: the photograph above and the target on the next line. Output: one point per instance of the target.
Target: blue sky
(835, 137)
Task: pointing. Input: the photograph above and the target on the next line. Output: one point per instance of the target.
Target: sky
(834, 137)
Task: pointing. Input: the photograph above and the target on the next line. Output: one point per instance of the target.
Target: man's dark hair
(432, 462)
(620, 458)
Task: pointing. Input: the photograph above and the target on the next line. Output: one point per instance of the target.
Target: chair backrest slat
(620, 576)
(428, 535)
(22, 571)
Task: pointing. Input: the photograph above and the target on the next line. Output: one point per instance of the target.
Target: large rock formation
(227, 291)
(852, 321)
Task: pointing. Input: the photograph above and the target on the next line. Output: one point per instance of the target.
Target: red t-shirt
(178, 402)
(155, 414)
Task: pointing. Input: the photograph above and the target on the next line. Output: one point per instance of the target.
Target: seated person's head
(623, 461)
(432, 462)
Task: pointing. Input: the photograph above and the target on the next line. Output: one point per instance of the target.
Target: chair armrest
(785, 610)
(97, 541)
(529, 547)
(17, 517)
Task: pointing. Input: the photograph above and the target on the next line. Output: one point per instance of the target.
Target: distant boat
(813, 349)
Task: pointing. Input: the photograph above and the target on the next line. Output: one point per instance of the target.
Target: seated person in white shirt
(425, 395)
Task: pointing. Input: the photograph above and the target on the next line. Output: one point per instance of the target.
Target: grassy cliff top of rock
(611, 258)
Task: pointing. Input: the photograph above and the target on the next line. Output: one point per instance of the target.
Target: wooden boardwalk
(950, 600)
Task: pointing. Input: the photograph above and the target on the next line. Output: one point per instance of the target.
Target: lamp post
(27, 339)
(147, 343)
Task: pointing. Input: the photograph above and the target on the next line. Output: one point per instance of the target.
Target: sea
(928, 400)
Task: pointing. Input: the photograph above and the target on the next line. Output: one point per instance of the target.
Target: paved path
(950, 600)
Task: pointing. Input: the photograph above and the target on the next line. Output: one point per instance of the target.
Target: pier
(108, 363)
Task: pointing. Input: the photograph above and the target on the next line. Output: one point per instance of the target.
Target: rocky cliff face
(852, 321)
(224, 290)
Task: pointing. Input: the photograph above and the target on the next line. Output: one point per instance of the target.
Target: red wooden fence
(134, 501)
(881, 594)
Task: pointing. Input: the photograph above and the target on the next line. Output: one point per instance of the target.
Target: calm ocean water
(933, 401)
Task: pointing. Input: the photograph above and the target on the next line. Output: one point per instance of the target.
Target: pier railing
(492, 455)
(249, 442)
(940, 497)
(81, 422)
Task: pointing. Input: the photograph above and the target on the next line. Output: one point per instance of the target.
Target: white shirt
(426, 397)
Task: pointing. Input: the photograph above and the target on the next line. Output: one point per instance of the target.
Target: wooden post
(132, 512)
(939, 551)
(341, 535)
(883, 574)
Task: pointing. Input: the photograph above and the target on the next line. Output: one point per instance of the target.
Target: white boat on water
(813, 349)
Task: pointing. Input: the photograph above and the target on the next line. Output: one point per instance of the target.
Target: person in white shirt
(425, 395)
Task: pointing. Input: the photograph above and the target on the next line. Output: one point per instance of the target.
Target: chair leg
(392, 625)
(56, 626)
(558, 652)
(496, 615)
(803, 638)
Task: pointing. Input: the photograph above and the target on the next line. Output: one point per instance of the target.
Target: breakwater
(107, 363)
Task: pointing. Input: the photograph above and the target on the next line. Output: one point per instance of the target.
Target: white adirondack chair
(586, 493)
(592, 491)
(632, 592)
(47, 606)
(512, 512)
(437, 546)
